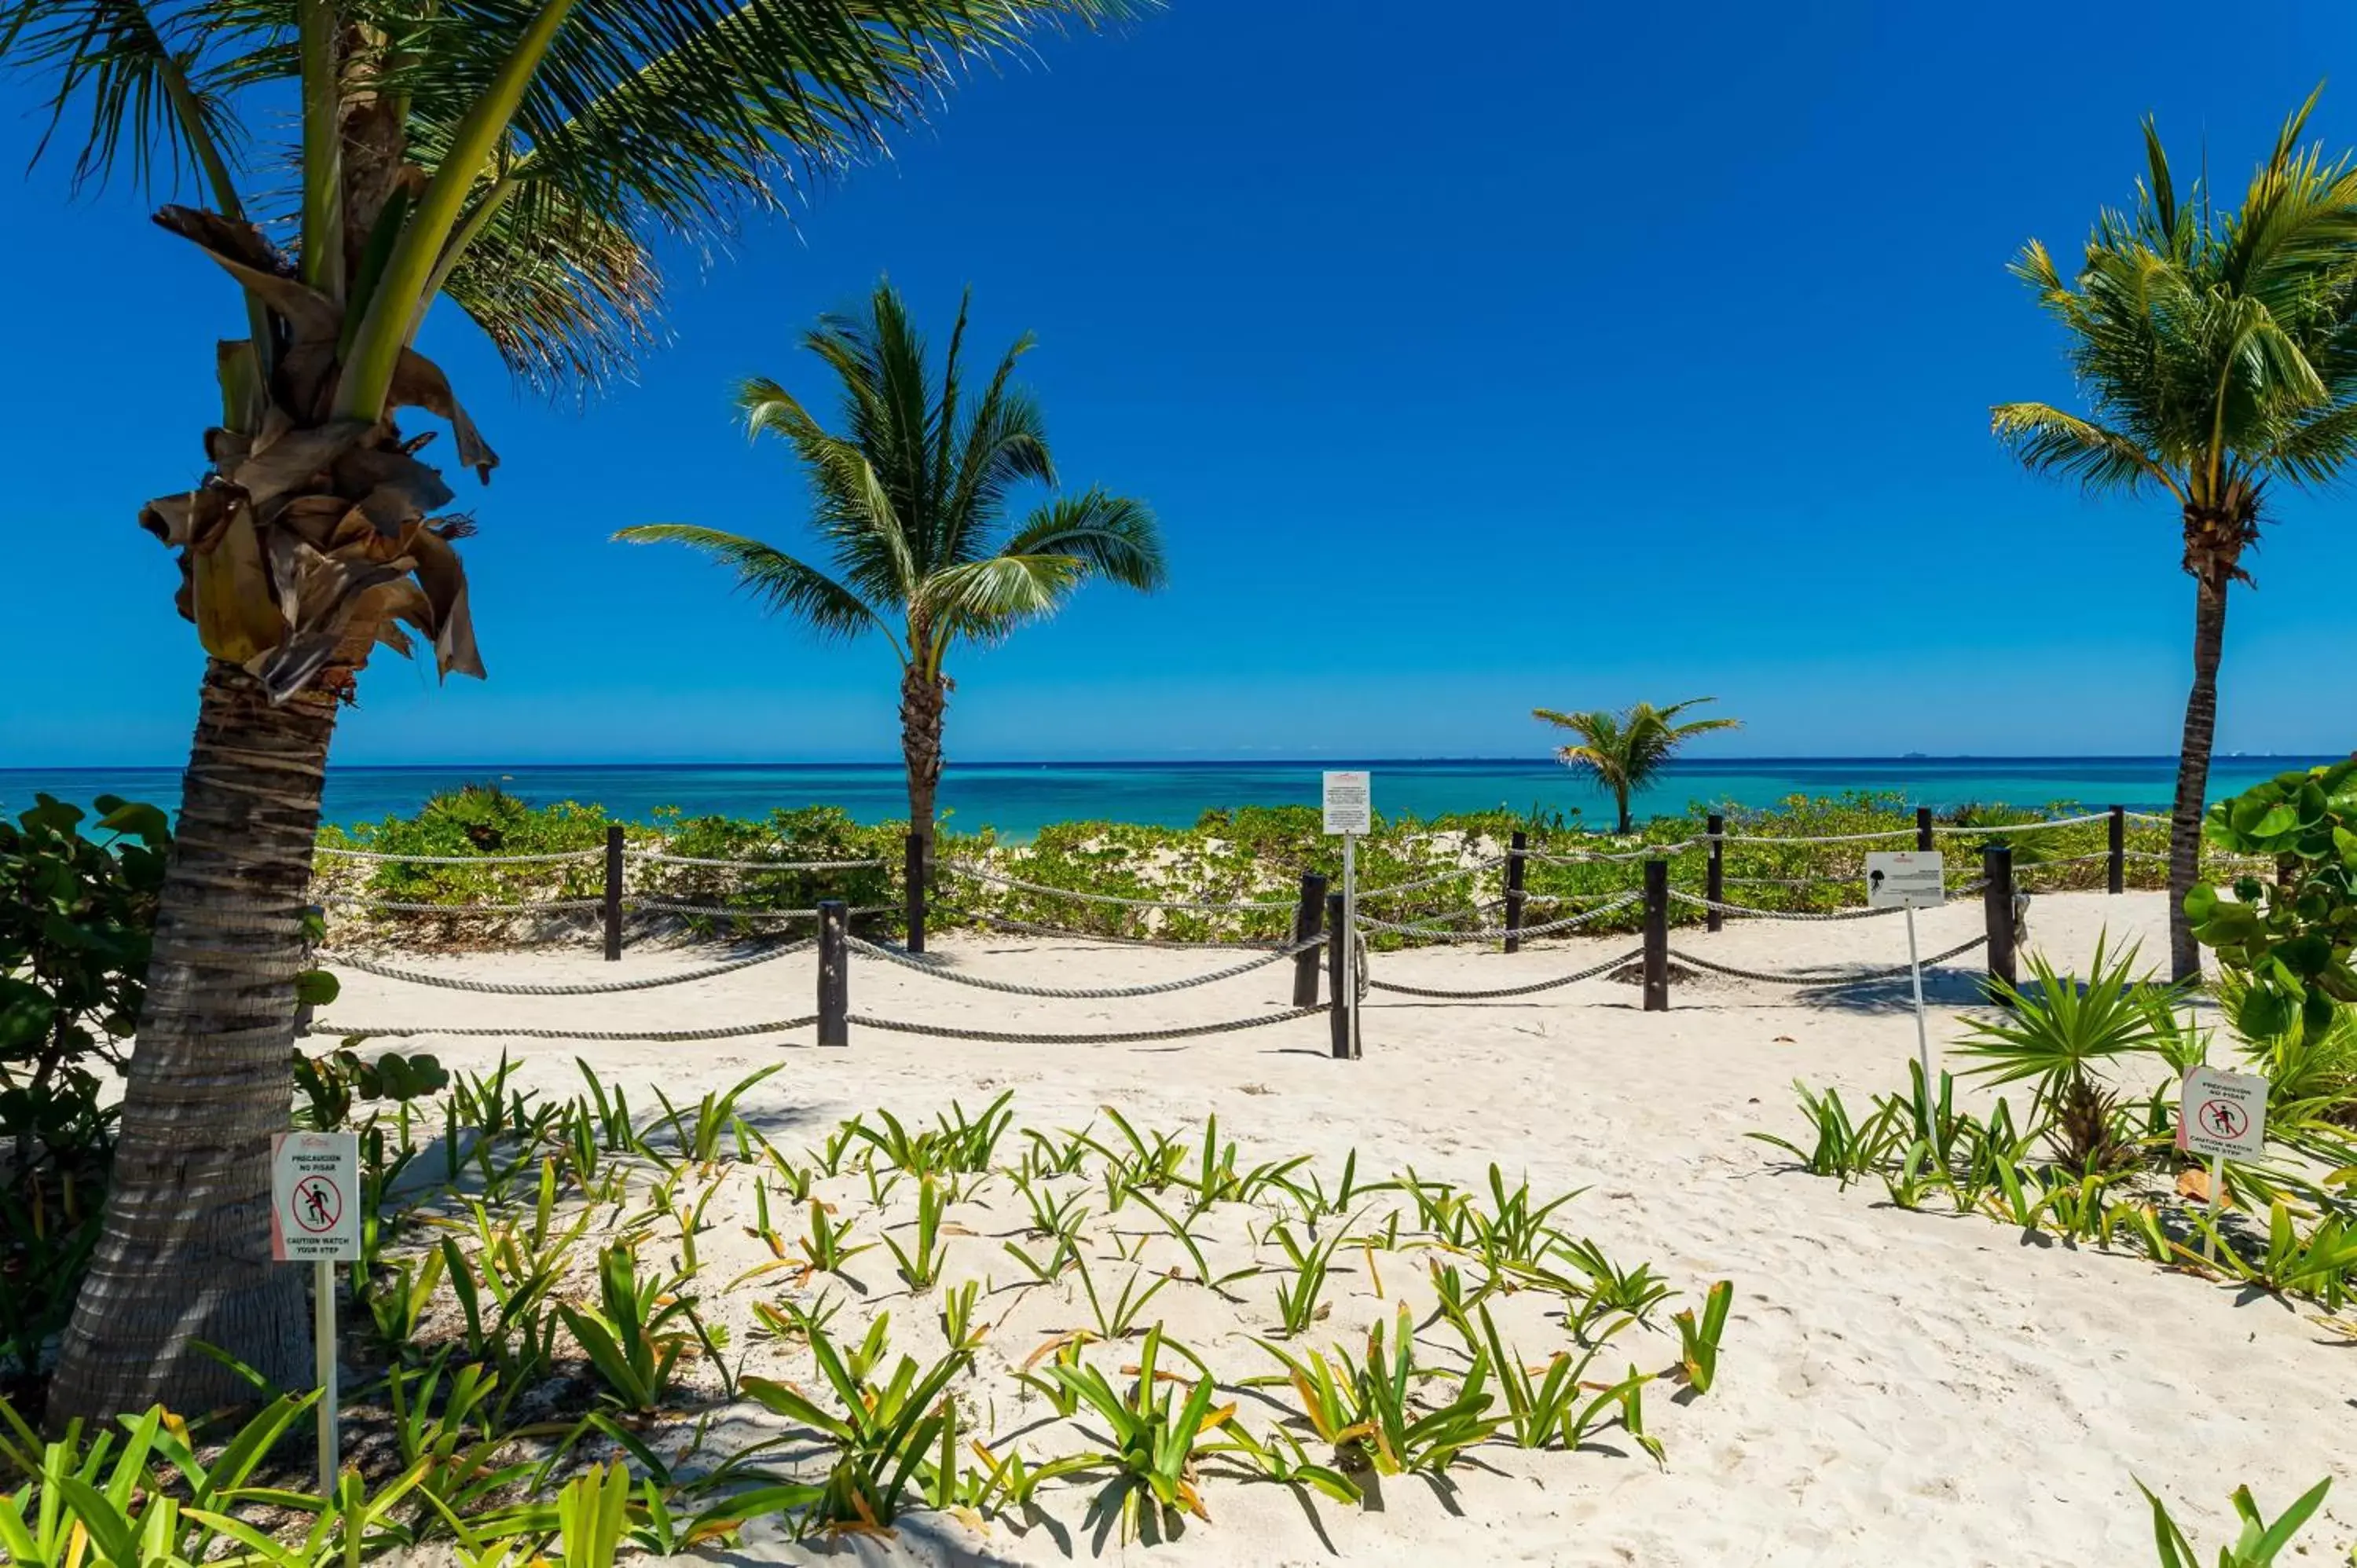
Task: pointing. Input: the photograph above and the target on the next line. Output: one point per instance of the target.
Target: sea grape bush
(2291, 939)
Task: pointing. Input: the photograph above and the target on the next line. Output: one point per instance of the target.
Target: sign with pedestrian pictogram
(2222, 1115)
(313, 1197)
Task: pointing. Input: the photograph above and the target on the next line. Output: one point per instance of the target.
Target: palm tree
(2217, 353)
(910, 503)
(519, 161)
(1622, 751)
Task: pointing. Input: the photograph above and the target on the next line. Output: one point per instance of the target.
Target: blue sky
(1584, 355)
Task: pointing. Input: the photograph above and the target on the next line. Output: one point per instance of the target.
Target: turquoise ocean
(1018, 797)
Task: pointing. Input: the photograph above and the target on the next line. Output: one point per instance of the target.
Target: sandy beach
(1896, 1386)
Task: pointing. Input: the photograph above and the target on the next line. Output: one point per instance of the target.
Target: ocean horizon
(1018, 797)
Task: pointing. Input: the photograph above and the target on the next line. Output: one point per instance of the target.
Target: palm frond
(156, 107)
(2047, 440)
(771, 576)
(986, 599)
(1114, 537)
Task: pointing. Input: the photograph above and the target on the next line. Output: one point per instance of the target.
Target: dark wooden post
(833, 973)
(613, 892)
(1342, 1003)
(1923, 827)
(1657, 936)
(1520, 843)
(1308, 919)
(1996, 904)
(1714, 881)
(913, 880)
(2119, 867)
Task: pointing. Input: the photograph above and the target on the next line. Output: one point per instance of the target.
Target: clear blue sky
(1577, 355)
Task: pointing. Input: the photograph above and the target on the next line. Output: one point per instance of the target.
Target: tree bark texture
(2194, 767)
(184, 1255)
(924, 701)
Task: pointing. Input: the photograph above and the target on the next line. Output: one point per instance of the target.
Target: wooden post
(833, 973)
(1520, 843)
(1996, 904)
(1341, 1003)
(613, 892)
(1713, 883)
(2119, 866)
(913, 881)
(1657, 936)
(1308, 919)
(1923, 827)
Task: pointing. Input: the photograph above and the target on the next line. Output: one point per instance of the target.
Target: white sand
(1895, 1387)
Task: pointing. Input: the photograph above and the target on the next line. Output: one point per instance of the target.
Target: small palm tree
(911, 502)
(2217, 352)
(1622, 751)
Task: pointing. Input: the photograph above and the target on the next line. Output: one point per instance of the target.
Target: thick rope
(398, 907)
(1590, 857)
(1498, 933)
(1824, 982)
(1817, 838)
(1010, 1038)
(1031, 927)
(737, 1031)
(2021, 827)
(1589, 973)
(652, 982)
(1388, 889)
(659, 907)
(907, 960)
(978, 875)
(658, 858)
(569, 855)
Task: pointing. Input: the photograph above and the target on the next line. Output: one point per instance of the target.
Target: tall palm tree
(519, 161)
(1622, 751)
(2217, 353)
(910, 503)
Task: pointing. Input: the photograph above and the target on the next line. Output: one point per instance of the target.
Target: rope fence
(1317, 920)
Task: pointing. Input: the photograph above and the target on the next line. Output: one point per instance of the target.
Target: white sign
(1905, 879)
(2223, 1115)
(1349, 804)
(315, 1197)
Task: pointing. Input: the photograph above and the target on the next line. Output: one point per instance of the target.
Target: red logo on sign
(2224, 1118)
(317, 1204)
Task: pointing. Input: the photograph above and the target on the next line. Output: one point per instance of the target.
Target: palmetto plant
(519, 160)
(909, 500)
(2216, 353)
(1622, 751)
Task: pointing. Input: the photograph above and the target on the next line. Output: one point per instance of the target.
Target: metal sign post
(314, 1218)
(1348, 810)
(1910, 880)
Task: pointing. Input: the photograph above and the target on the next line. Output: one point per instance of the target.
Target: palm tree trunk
(2193, 765)
(1620, 798)
(924, 700)
(185, 1256)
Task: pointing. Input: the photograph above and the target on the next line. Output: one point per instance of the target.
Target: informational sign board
(315, 1210)
(1349, 804)
(2222, 1115)
(1905, 879)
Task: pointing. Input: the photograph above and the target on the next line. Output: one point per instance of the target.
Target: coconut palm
(909, 502)
(2217, 355)
(519, 160)
(1622, 751)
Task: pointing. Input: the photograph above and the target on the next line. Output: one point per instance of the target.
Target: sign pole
(2217, 1202)
(1350, 934)
(323, 1330)
(1923, 1028)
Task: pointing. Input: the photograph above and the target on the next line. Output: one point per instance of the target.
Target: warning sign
(1905, 879)
(315, 1197)
(1348, 803)
(2222, 1115)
